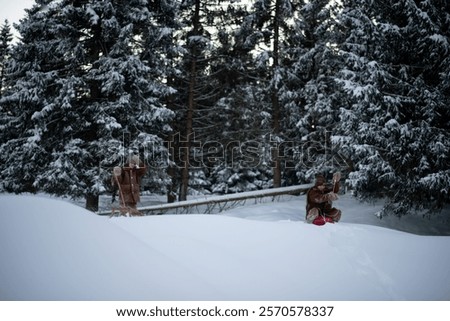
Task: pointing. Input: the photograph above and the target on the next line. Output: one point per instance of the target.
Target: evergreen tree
(77, 84)
(299, 61)
(5, 40)
(396, 120)
(237, 158)
(5, 44)
(201, 83)
(309, 91)
(271, 23)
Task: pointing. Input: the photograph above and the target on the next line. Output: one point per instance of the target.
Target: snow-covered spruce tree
(364, 105)
(5, 50)
(396, 118)
(5, 47)
(240, 160)
(234, 156)
(160, 50)
(271, 22)
(308, 92)
(295, 46)
(76, 84)
(191, 65)
(200, 83)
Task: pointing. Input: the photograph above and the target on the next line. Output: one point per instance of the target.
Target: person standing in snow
(128, 179)
(319, 208)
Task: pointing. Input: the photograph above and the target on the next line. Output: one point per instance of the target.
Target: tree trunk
(275, 151)
(187, 144)
(275, 102)
(171, 194)
(92, 202)
(190, 106)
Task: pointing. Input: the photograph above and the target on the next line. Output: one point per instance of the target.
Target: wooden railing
(219, 203)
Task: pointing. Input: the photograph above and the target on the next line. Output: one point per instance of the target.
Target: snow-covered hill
(54, 250)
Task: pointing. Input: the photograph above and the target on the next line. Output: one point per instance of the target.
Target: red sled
(321, 220)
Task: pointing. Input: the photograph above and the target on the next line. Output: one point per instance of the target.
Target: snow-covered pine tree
(309, 93)
(21, 156)
(272, 21)
(363, 71)
(200, 83)
(5, 47)
(5, 43)
(76, 84)
(396, 120)
(161, 46)
(234, 156)
(295, 45)
(191, 64)
(244, 146)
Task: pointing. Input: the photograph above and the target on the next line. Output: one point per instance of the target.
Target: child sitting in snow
(319, 200)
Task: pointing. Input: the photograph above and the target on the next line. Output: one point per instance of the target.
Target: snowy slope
(53, 250)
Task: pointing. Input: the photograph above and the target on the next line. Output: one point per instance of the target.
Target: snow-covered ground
(51, 249)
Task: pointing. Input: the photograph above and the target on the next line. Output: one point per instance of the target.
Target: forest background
(229, 96)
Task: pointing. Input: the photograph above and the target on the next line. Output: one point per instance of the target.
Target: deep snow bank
(53, 250)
